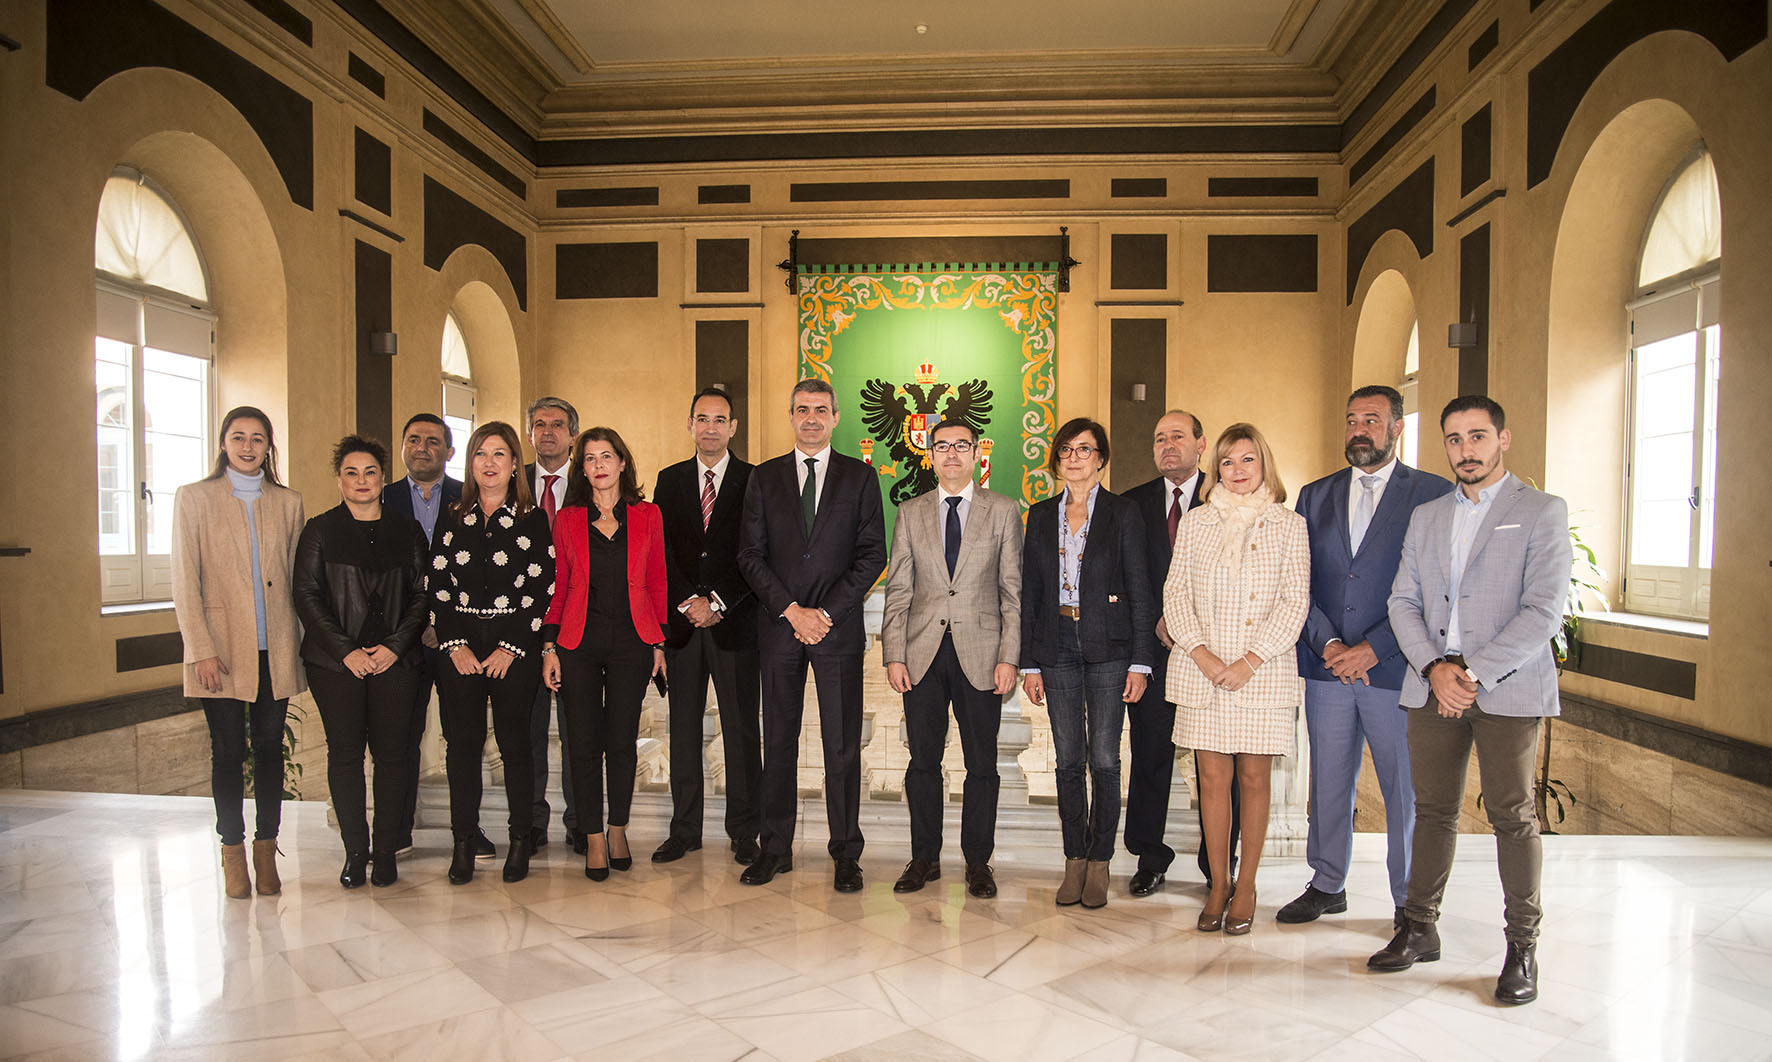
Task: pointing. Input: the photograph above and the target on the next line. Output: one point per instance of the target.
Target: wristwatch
(1427, 668)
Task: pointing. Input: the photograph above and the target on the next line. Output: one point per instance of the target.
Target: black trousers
(463, 700)
(372, 712)
(549, 706)
(737, 690)
(228, 720)
(602, 684)
(838, 678)
(978, 713)
(425, 677)
(1151, 725)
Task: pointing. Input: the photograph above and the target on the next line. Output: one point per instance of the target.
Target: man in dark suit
(1349, 659)
(813, 542)
(553, 428)
(1176, 444)
(425, 493)
(713, 632)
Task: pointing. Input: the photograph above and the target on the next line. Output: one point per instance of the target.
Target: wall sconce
(384, 343)
(1464, 334)
(1138, 392)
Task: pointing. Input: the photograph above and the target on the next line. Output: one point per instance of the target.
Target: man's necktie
(1363, 510)
(548, 504)
(707, 500)
(1174, 516)
(953, 535)
(809, 493)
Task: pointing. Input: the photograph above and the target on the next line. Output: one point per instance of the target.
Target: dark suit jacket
(1119, 613)
(1349, 593)
(398, 496)
(833, 569)
(699, 562)
(1152, 499)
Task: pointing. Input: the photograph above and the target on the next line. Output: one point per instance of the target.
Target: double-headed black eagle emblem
(903, 417)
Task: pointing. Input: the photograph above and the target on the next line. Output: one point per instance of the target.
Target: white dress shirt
(823, 457)
(541, 475)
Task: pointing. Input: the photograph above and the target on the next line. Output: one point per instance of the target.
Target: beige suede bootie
(235, 881)
(1095, 884)
(1071, 890)
(264, 867)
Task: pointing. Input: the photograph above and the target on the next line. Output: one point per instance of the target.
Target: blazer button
(944, 623)
(951, 593)
(1350, 575)
(1442, 632)
(805, 556)
(704, 554)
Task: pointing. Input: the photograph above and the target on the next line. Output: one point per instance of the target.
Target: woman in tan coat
(233, 547)
(1237, 595)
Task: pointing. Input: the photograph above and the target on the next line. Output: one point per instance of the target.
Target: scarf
(1237, 513)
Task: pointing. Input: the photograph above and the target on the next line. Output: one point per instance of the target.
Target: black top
(1119, 613)
(492, 577)
(607, 611)
(359, 583)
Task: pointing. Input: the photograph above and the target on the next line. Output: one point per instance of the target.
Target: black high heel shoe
(461, 865)
(598, 873)
(385, 871)
(517, 859)
(621, 862)
(353, 875)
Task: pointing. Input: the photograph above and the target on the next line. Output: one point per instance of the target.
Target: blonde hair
(1231, 436)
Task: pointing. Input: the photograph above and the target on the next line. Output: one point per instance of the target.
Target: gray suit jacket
(1510, 601)
(980, 605)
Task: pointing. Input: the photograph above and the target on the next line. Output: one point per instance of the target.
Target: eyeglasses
(1077, 451)
(961, 447)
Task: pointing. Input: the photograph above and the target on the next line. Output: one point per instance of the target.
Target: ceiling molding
(503, 67)
(1291, 24)
(557, 34)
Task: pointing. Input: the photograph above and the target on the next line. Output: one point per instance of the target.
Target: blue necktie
(953, 535)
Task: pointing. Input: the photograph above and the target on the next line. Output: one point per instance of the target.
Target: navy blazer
(699, 562)
(833, 568)
(1349, 593)
(1152, 499)
(398, 497)
(1118, 610)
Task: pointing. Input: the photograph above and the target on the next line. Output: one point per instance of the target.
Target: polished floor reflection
(116, 942)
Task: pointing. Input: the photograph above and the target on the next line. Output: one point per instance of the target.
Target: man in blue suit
(1349, 659)
(424, 493)
(1479, 594)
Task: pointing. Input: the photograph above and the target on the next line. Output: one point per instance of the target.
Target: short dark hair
(429, 418)
(712, 392)
(359, 444)
(1467, 403)
(960, 424)
(1199, 429)
(1073, 428)
(578, 485)
(1389, 394)
(815, 386)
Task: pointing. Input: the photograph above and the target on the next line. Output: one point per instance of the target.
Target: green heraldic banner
(907, 348)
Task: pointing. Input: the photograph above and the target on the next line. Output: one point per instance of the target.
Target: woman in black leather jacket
(359, 590)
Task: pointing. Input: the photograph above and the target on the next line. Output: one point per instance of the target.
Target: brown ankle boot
(264, 867)
(1072, 888)
(1095, 884)
(235, 881)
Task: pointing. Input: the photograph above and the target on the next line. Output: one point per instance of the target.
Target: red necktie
(707, 500)
(1174, 516)
(548, 504)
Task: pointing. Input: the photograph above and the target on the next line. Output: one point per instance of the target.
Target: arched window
(458, 393)
(153, 368)
(1675, 369)
(1409, 450)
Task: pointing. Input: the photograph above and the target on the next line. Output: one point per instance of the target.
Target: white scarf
(1237, 513)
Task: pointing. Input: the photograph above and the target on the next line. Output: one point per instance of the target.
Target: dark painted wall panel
(372, 180)
(723, 193)
(1483, 44)
(723, 359)
(1474, 145)
(1139, 352)
(472, 152)
(892, 250)
(286, 18)
(1417, 112)
(1399, 72)
(1139, 187)
(1473, 305)
(1408, 207)
(1261, 263)
(1260, 187)
(606, 271)
(573, 198)
(452, 222)
(722, 266)
(375, 313)
(90, 41)
(918, 191)
(367, 76)
(1140, 261)
(149, 650)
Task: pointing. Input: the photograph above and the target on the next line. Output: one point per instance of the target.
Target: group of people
(1184, 610)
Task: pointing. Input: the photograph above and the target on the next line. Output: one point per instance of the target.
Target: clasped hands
(810, 624)
(1350, 663)
(495, 665)
(1453, 690)
(1232, 676)
(701, 612)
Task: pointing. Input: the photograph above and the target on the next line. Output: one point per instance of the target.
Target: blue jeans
(1083, 702)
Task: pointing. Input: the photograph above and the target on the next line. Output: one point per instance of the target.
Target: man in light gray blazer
(1478, 595)
(951, 634)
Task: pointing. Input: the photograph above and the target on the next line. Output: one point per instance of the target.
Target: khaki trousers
(1439, 754)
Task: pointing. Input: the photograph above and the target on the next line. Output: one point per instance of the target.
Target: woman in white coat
(1237, 595)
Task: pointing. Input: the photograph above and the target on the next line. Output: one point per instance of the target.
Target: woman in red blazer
(604, 633)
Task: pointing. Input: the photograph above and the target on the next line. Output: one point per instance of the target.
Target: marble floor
(116, 942)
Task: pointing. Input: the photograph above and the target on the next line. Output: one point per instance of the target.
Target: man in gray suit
(1478, 595)
(951, 634)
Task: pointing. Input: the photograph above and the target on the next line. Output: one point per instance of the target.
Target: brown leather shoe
(236, 882)
(1071, 889)
(1415, 942)
(1095, 884)
(264, 867)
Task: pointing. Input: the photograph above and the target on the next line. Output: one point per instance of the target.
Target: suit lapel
(1498, 511)
(969, 533)
(1338, 488)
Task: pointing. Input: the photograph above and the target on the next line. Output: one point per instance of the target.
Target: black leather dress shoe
(848, 876)
(745, 851)
(1518, 982)
(1311, 905)
(483, 846)
(980, 882)
(356, 870)
(1415, 942)
(517, 859)
(384, 869)
(673, 849)
(766, 867)
(461, 867)
(576, 838)
(1145, 882)
(538, 839)
(917, 873)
